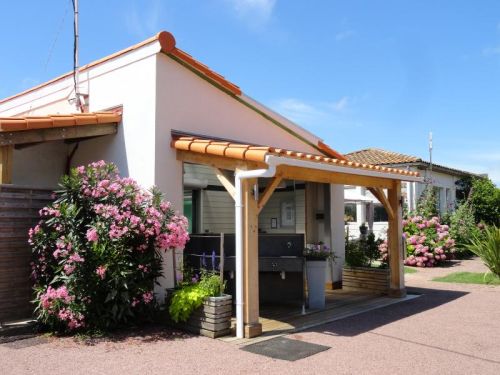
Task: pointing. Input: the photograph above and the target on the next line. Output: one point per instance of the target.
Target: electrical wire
(58, 33)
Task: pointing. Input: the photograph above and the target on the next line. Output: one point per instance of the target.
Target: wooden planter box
(213, 319)
(366, 279)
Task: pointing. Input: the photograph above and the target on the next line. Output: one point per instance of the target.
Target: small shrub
(97, 250)
(362, 252)
(191, 295)
(427, 205)
(463, 228)
(487, 247)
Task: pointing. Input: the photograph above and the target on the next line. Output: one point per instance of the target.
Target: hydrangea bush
(428, 242)
(97, 250)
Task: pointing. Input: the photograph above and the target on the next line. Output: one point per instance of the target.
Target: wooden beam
(225, 181)
(6, 156)
(327, 177)
(395, 243)
(56, 134)
(380, 195)
(252, 327)
(311, 207)
(220, 162)
(268, 191)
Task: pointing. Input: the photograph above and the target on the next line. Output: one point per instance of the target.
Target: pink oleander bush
(428, 242)
(97, 250)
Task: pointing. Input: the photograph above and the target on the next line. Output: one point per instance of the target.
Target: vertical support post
(6, 156)
(311, 202)
(337, 232)
(395, 242)
(252, 326)
(221, 259)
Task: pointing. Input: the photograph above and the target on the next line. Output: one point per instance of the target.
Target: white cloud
(475, 162)
(298, 111)
(146, 21)
(491, 51)
(344, 35)
(340, 104)
(315, 114)
(255, 12)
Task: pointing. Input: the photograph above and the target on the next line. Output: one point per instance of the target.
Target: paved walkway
(450, 329)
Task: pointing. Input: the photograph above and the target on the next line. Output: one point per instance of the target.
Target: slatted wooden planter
(213, 319)
(365, 279)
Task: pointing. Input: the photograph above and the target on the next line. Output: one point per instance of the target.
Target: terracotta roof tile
(380, 157)
(12, 124)
(258, 154)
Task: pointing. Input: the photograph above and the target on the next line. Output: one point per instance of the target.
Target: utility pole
(430, 158)
(76, 67)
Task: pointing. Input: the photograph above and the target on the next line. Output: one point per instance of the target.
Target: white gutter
(273, 161)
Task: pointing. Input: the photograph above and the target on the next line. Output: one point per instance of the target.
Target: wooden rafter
(268, 191)
(224, 179)
(328, 177)
(380, 195)
(56, 134)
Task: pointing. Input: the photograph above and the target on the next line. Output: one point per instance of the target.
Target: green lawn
(469, 278)
(410, 270)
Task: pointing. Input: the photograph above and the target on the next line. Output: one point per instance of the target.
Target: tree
(485, 200)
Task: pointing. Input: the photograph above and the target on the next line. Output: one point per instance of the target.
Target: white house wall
(39, 165)
(189, 103)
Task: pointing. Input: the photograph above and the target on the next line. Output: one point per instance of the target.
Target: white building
(370, 211)
(166, 119)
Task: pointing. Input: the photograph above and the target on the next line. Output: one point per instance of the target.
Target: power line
(58, 33)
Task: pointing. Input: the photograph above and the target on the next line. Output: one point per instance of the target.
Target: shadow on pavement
(364, 322)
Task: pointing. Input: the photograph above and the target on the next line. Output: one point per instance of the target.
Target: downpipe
(238, 205)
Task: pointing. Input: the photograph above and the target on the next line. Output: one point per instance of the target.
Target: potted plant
(316, 256)
(362, 271)
(363, 229)
(200, 306)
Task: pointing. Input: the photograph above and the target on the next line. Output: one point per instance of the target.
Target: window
(379, 213)
(350, 212)
(191, 197)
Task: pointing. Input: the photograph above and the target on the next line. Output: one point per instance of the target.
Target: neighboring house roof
(259, 153)
(378, 156)
(15, 124)
(168, 46)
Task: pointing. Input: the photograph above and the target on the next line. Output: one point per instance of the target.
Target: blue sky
(357, 73)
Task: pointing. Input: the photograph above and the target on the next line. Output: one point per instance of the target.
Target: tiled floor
(280, 320)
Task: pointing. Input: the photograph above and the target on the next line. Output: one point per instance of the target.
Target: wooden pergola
(227, 156)
(21, 132)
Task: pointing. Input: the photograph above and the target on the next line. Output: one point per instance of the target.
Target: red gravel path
(451, 329)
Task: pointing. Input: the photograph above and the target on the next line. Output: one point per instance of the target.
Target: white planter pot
(316, 270)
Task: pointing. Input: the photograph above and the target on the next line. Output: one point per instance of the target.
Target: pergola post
(6, 156)
(252, 326)
(395, 242)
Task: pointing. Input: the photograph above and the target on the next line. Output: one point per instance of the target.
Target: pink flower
(101, 272)
(147, 297)
(92, 235)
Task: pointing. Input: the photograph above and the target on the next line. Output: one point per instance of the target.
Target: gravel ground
(450, 329)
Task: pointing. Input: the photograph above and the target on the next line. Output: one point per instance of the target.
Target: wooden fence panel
(19, 208)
